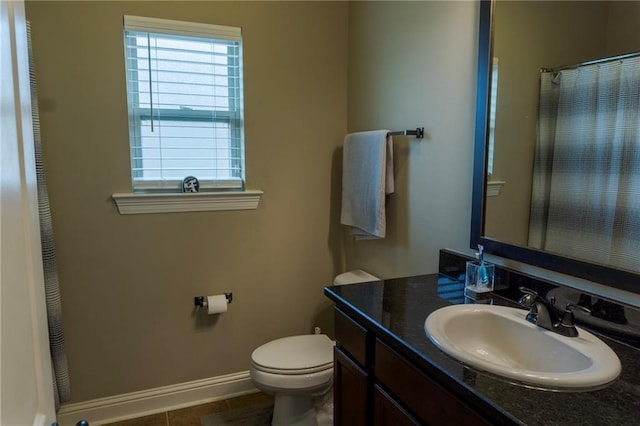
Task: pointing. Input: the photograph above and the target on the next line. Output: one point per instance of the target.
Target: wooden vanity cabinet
(375, 385)
(350, 397)
(428, 400)
(387, 412)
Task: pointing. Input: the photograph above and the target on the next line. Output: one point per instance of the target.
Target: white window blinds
(184, 93)
(492, 114)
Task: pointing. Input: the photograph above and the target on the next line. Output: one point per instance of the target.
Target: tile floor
(249, 410)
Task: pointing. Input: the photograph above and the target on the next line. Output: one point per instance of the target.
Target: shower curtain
(61, 386)
(586, 184)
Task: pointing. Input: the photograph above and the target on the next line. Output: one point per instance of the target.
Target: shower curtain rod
(595, 61)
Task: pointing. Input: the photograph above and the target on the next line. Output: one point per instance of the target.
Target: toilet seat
(295, 355)
(292, 383)
(293, 372)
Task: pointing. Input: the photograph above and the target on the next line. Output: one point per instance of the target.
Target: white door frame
(26, 392)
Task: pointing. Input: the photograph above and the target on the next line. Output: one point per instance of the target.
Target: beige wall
(622, 27)
(413, 64)
(530, 35)
(128, 282)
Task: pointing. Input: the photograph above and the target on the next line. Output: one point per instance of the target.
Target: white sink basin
(501, 341)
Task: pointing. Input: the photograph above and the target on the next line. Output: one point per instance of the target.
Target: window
(493, 186)
(492, 114)
(185, 102)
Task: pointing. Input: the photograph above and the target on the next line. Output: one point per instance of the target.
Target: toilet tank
(355, 276)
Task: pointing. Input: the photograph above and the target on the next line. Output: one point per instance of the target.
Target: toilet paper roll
(216, 304)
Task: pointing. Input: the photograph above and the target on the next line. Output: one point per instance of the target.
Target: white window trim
(147, 203)
(494, 187)
(169, 26)
(154, 25)
(175, 185)
(130, 203)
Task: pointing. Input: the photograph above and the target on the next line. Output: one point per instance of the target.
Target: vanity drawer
(422, 395)
(351, 337)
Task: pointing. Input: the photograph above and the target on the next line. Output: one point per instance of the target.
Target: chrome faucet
(542, 313)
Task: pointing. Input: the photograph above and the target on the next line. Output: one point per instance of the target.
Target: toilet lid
(295, 354)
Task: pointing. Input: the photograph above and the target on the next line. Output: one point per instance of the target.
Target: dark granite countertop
(395, 310)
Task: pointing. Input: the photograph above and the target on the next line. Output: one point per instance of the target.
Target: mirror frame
(617, 278)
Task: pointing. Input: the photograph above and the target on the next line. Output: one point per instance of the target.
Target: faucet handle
(571, 306)
(527, 290)
(529, 297)
(567, 319)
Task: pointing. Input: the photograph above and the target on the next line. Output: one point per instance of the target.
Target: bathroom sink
(499, 340)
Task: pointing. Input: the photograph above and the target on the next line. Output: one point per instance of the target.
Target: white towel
(367, 176)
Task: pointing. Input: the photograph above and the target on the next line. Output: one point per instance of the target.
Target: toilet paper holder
(202, 300)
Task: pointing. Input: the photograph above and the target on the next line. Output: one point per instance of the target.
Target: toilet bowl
(298, 370)
(294, 369)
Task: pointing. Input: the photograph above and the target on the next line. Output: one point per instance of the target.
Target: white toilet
(297, 369)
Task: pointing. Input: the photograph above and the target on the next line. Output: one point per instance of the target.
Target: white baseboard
(157, 400)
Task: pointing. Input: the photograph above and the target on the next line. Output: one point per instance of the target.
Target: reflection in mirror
(566, 137)
(587, 163)
(604, 315)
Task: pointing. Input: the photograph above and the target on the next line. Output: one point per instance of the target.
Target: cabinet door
(386, 412)
(426, 399)
(349, 391)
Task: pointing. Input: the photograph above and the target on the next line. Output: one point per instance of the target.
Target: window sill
(494, 187)
(128, 203)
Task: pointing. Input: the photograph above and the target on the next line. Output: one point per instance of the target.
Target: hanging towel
(367, 176)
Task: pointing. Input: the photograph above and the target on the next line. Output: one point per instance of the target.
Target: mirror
(526, 36)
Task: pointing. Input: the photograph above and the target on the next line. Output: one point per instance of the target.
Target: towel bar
(418, 133)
